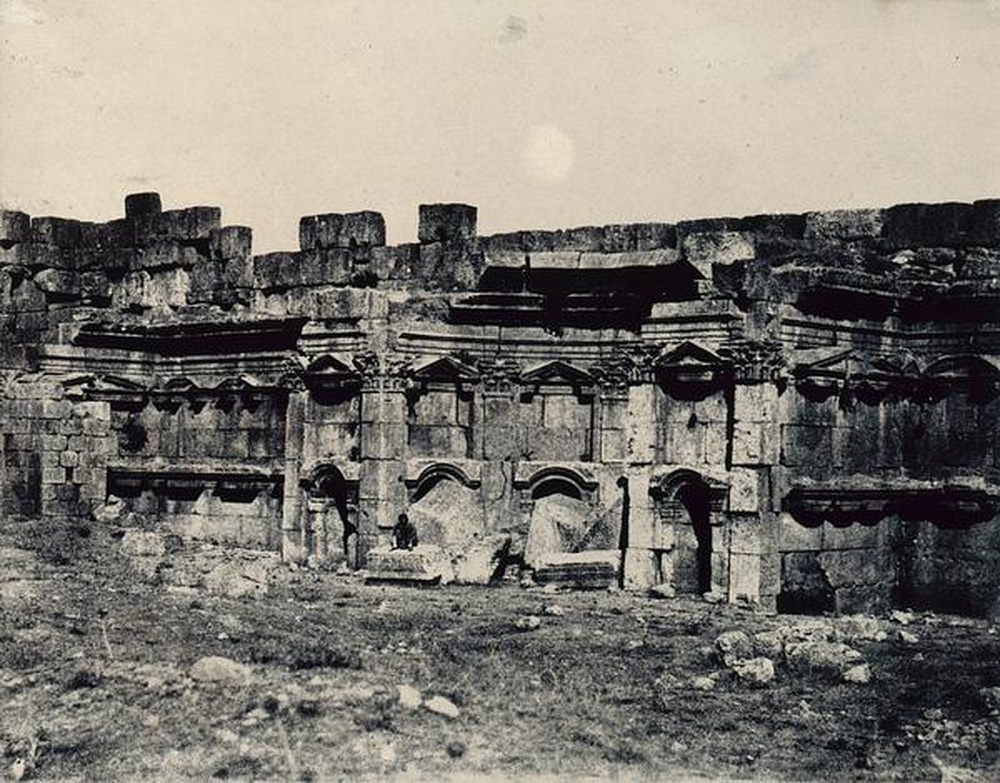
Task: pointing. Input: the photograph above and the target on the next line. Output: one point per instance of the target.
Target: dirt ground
(97, 682)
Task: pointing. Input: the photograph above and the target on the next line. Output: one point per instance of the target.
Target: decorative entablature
(755, 360)
(499, 376)
(850, 376)
(170, 393)
(383, 370)
(948, 505)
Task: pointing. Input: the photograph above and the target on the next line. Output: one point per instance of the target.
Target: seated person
(404, 534)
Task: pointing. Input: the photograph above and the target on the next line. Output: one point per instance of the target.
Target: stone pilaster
(381, 491)
(293, 534)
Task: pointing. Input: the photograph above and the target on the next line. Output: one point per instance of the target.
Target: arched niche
(690, 508)
(332, 501)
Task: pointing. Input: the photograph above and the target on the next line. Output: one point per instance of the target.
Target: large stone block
(58, 284)
(986, 222)
(163, 255)
(230, 242)
(324, 267)
(843, 224)
(178, 225)
(446, 223)
(333, 230)
(769, 226)
(60, 232)
(931, 225)
(15, 227)
(142, 204)
(702, 250)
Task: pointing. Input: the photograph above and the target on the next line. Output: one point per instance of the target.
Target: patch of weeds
(83, 678)
(299, 654)
(239, 766)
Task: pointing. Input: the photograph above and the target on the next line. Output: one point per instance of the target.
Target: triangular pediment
(557, 371)
(116, 383)
(239, 383)
(688, 355)
(180, 384)
(446, 368)
(836, 363)
(964, 365)
(329, 364)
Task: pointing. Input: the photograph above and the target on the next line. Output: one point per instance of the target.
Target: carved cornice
(383, 370)
(499, 376)
(948, 505)
(851, 376)
(754, 360)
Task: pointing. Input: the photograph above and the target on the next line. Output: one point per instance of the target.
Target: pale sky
(543, 114)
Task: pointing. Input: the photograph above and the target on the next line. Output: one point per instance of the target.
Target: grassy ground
(94, 683)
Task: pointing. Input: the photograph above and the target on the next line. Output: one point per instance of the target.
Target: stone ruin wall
(799, 410)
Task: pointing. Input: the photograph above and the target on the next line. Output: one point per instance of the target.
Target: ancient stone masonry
(800, 410)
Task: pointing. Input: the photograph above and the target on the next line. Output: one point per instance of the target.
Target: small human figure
(404, 534)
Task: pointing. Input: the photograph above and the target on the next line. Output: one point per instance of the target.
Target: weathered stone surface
(15, 227)
(424, 564)
(230, 242)
(409, 697)
(446, 222)
(239, 579)
(757, 672)
(318, 232)
(859, 675)
(143, 543)
(933, 225)
(142, 204)
(734, 646)
(558, 522)
(482, 560)
(843, 224)
(439, 705)
(830, 658)
(593, 570)
(704, 249)
(218, 670)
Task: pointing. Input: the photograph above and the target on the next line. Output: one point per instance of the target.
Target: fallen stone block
(483, 560)
(594, 570)
(425, 564)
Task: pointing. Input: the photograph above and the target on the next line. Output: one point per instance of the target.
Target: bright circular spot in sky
(548, 154)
